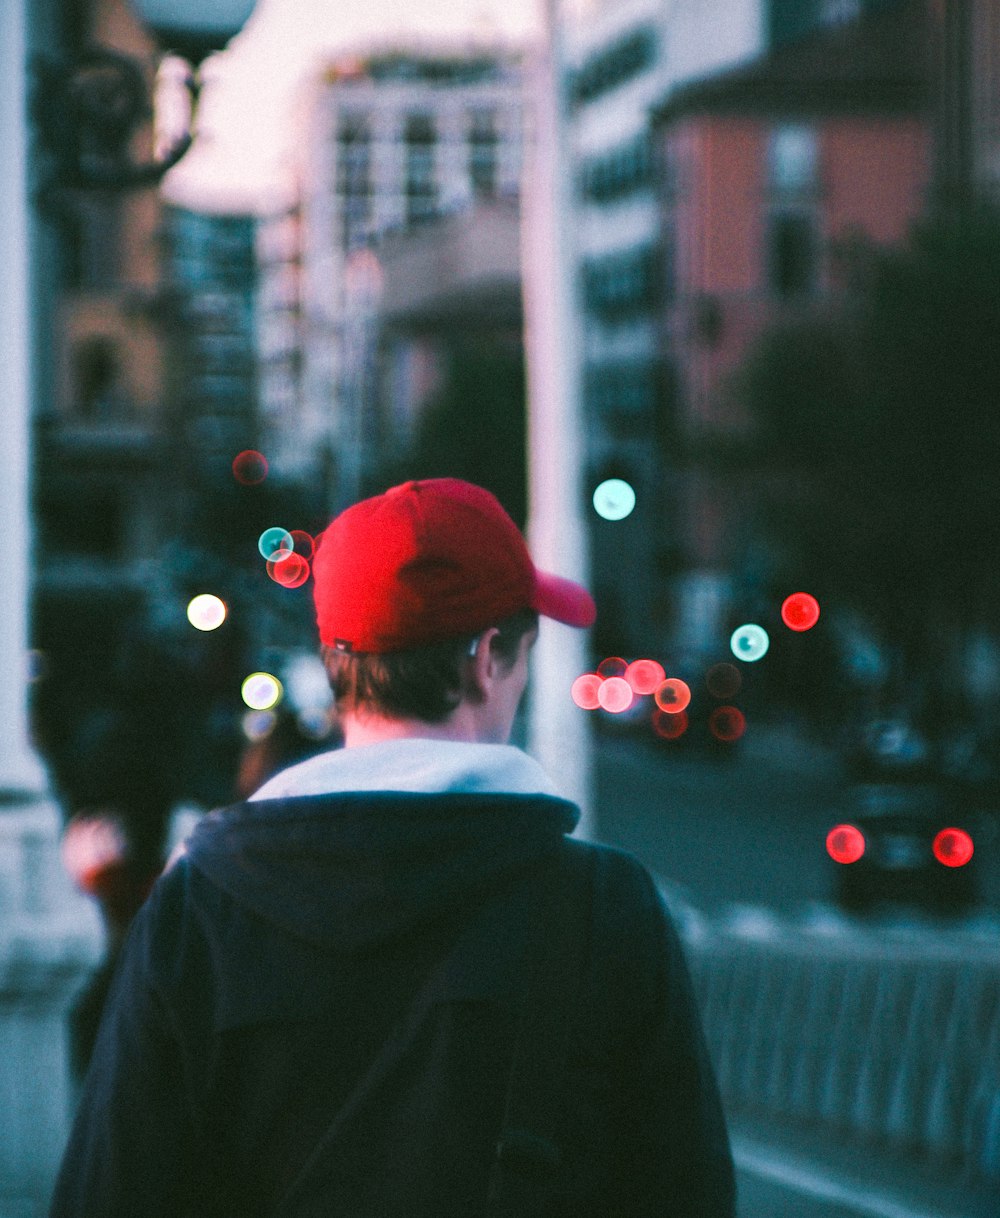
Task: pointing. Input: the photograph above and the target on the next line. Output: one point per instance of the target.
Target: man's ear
(482, 669)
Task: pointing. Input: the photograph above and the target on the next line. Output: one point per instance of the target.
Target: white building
(624, 55)
(391, 140)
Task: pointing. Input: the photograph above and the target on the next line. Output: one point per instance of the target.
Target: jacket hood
(352, 870)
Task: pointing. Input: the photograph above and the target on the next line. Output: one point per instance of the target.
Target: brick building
(769, 172)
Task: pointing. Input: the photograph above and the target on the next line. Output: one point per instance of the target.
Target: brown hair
(420, 683)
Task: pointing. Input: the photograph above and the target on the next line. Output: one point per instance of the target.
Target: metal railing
(891, 1037)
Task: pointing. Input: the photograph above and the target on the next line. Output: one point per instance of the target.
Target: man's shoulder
(617, 872)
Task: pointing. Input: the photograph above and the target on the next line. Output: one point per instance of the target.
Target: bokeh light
(304, 543)
(291, 571)
(749, 642)
(261, 691)
(800, 611)
(723, 680)
(953, 847)
(673, 695)
(615, 695)
(669, 726)
(258, 725)
(275, 544)
(644, 675)
(845, 844)
(250, 467)
(206, 612)
(584, 691)
(727, 723)
(614, 499)
(613, 666)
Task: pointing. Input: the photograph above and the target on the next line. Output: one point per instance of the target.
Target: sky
(245, 117)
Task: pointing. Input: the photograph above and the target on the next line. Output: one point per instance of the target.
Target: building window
(483, 148)
(421, 190)
(792, 226)
(618, 173)
(614, 65)
(354, 178)
(97, 387)
(622, 284)
(792, 256)
(793, 160)
(620, 388)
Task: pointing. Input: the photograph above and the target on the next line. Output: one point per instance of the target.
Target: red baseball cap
(429, 561)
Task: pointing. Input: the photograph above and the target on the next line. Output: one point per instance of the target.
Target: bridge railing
(893, 1038)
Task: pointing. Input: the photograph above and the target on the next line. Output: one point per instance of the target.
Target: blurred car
(903, 842)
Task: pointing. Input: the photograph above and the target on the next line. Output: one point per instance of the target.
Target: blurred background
(281, 257)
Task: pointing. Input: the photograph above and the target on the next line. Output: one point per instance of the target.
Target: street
(741, 829)
(742, 838)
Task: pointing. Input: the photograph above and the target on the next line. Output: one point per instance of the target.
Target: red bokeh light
(615, 695)
(953, 847)
(644, 675)
(727, 723)
(845, 844)
(250, 467)
(669, 726)
(291, 571)
(304, 543)
(723, 680)
(800, 611)
(584, 691)
(673, 695)
(613, 666)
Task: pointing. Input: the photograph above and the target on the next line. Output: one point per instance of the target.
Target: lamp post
(559, 732)
(87, 111)
(50, 936)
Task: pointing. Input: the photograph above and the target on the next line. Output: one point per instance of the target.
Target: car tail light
(845, 844)
(953, 847)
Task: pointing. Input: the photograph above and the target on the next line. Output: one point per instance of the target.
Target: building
(965, 45)
(769, 172)
(451, 291)
(622, 59)
(279, 344)
(100, 437)
(393, 140)
(210, 275)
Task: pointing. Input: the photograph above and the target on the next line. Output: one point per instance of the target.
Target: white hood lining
(413, 765)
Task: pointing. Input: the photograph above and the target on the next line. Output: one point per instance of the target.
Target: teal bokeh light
(749, 642)
(614, 499)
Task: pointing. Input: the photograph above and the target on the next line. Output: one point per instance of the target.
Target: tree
(878, 425)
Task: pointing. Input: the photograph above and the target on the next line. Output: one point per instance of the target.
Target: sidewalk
(869, 1180)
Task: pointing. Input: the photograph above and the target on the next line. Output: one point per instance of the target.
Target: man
(318, 1007)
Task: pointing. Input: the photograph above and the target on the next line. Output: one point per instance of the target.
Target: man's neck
(372, 729)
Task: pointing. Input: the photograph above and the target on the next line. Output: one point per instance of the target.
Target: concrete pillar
(559, 734)
(50, 937)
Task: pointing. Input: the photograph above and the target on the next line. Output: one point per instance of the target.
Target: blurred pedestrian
(99, 857)
(361, 992)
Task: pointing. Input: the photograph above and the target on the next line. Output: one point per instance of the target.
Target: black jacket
(273, 962)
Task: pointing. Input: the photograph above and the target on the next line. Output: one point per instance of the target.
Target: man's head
(427, 603)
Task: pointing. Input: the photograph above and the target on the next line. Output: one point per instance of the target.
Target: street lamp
(87, 111)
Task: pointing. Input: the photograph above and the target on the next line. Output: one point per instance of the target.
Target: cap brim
(563, 600)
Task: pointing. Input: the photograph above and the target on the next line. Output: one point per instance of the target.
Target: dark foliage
(878, 435)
